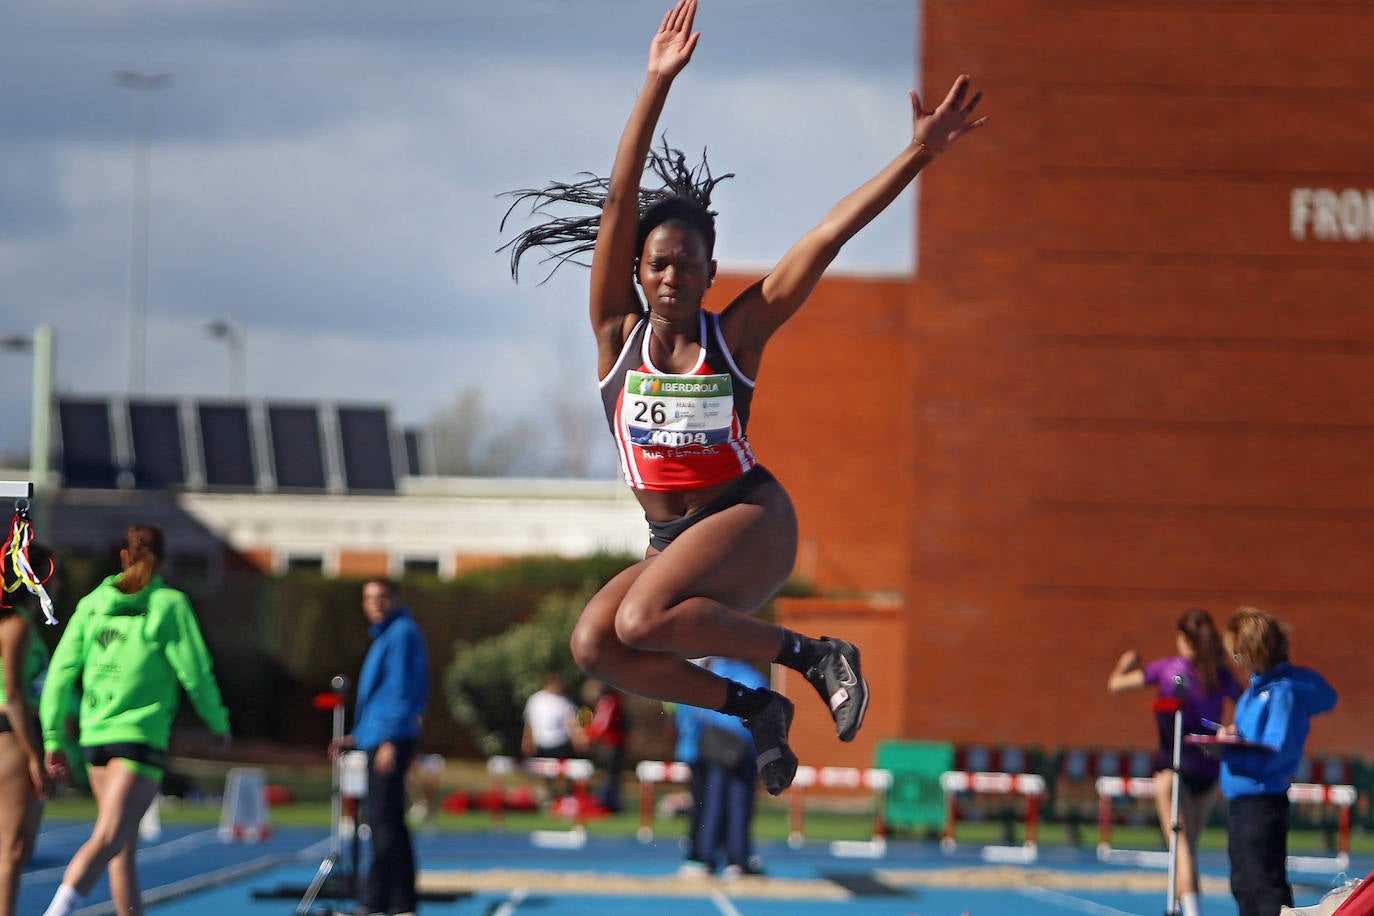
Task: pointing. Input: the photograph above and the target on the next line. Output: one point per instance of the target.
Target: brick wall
(1120, 384)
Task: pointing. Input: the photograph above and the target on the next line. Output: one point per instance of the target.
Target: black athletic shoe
(838, 680)
(776, 762)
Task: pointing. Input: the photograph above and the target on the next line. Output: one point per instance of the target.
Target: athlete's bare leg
(125, 891)
(20, 811)
(693, 600)
(121, 798)
(1192, 811)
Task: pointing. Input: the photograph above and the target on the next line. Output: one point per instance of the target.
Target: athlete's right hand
(57, 766)
(674, 42)
(1129, 661)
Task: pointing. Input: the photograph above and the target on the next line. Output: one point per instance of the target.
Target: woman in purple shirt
(1199, 676)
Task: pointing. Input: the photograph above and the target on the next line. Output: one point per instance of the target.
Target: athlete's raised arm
(753, 318)
(614, 302)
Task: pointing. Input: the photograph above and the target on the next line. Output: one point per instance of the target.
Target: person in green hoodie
(24, 783)
(134, 643)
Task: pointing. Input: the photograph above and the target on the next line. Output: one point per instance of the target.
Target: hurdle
(1030, 786)
(1299, 793)
(578, 771)
(1110, 788)
(498, 769)
(878, 781)
(243, 814)
(650, 773)
(1343, 798)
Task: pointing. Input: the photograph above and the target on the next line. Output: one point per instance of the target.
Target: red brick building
(1133, 373)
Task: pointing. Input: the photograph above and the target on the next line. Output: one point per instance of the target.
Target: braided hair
(684, 196)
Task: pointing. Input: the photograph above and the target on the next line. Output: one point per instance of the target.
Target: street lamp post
(231, 332)
(142, 84)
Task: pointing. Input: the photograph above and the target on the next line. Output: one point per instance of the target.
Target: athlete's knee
(593, 647)
(21, 851)
(109, 841)
(641, 625)
(14, 855)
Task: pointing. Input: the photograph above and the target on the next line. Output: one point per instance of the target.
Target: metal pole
(1172, 907)
(139, 208)
(40, 424)
(338, 687)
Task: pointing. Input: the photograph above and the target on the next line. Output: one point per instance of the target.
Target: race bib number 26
(677, 411)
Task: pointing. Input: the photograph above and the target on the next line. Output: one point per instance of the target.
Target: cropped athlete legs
(692, 600)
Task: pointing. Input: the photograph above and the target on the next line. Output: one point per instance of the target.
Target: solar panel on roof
(225, 442)
(297, 452)
(415, 454)
(155, 429)
(365, 435)
(87, 444)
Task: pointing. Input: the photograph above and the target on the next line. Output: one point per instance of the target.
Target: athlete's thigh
(739, 556)
(601, 608)
(1164, 797)
(1193, 810)
(122, 798)
(96, 776)
(15, 788)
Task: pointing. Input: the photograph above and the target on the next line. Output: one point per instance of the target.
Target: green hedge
(277, 641)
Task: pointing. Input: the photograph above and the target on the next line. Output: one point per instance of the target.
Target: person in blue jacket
(393, 689)
(1275, 713)
(687, 731)
(726, 752)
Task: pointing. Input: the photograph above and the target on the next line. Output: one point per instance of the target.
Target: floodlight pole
(142, 84)
(40, 423)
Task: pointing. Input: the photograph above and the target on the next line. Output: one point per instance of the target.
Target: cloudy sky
(326, 174)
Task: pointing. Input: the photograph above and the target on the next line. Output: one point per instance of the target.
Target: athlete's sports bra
(679, 432)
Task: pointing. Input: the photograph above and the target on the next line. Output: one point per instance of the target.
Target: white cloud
(327, 174)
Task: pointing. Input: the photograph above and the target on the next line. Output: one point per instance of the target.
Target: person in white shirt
(551, 728)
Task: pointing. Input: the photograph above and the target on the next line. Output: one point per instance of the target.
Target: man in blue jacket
(726, 752)
(393, 688)
(1273, 717)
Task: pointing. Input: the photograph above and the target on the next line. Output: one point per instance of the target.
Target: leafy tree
(567, 438)
(488, 682)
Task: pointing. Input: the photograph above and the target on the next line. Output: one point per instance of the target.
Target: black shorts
(661, 534)
(99, 755)
(564, 751)
(7, 726)
(1197, 773)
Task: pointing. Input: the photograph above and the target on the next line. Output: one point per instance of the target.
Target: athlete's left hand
(939, 129)
(40, 779)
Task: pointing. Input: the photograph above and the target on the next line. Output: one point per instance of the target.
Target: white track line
(723, 904)
(1076, 903)
(517, 897)
(145, 853)
(208, 879)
